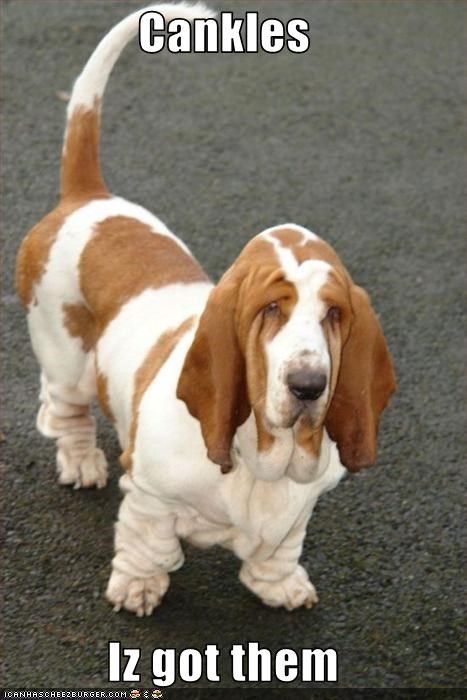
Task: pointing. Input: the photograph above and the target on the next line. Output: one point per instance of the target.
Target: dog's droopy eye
(333, 314)
(272, 309)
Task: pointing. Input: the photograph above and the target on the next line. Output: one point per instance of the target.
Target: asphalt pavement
(361, 139)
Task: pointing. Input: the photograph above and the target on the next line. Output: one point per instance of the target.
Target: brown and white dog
(279, 373)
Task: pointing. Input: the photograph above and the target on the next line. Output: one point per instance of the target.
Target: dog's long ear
(365, 383)
(213, 379)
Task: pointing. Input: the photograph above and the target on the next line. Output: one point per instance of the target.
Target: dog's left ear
(213, 379)
(365, 383)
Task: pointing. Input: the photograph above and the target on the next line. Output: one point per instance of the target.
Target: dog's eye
(271, 309)
(334, 314)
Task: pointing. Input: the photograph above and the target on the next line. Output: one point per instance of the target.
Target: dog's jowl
(236, 405)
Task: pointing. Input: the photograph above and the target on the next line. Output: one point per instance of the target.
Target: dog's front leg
(280, 580)
(146, 549)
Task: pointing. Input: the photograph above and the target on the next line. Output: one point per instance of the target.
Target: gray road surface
(362, 140)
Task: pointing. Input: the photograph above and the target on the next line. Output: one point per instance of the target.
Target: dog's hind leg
(64, 414)
(68, 386)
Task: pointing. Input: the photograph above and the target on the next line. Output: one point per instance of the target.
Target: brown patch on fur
(79, 323)
(81, 173)
(309, 437)
(156, 357)
(265, 439)
(263, 329)
(126, 460)
(123, 258)
(81, 180)
(34, 251)
(103, 396)
(308, 249)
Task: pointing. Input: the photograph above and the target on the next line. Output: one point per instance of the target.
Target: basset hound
(278, 374)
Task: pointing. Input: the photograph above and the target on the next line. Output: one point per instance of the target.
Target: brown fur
(156, 357)
(309, 437)
(312, 249)
(103, 395)
(365, 383)
(123, 258)
(79, 323)
(81, 173)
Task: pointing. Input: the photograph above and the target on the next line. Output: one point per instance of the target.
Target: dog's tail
(81, 172)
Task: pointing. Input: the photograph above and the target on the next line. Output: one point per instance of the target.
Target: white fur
(306, 233)
(129, 337)
(90, 84)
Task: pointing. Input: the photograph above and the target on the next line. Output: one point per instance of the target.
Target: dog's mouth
(298, 412)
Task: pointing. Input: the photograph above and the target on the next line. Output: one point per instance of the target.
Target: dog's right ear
(213, 379)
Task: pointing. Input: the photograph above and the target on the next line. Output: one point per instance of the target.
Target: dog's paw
(137, 595)
(293, 591)
(82, 470)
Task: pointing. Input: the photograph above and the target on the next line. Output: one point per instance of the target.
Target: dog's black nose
(306, 385)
